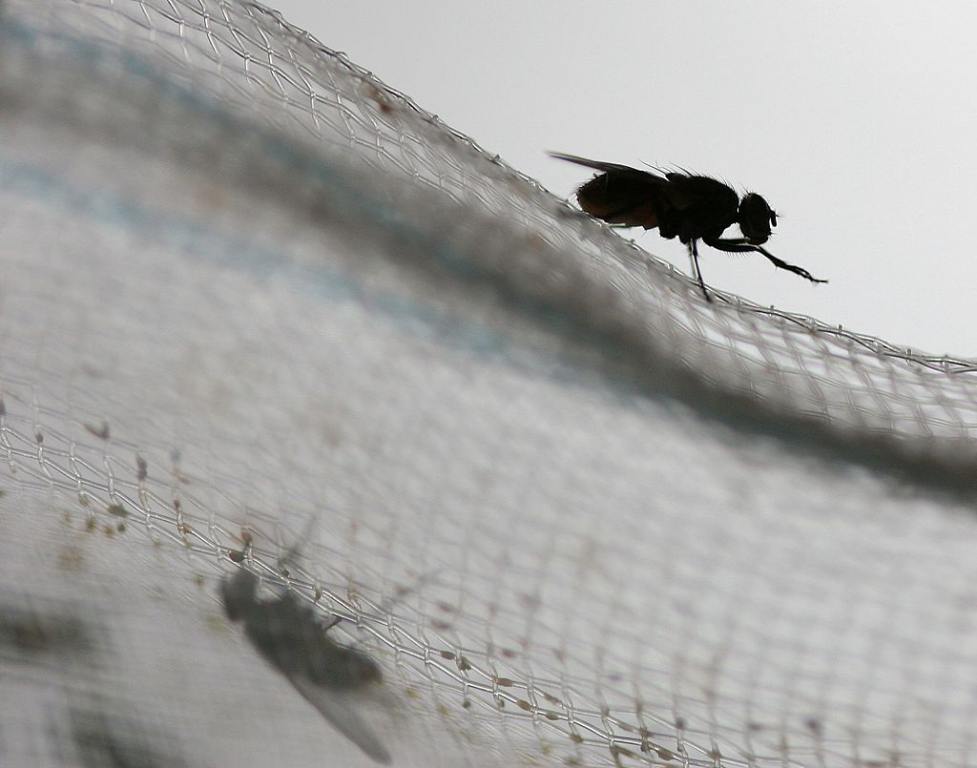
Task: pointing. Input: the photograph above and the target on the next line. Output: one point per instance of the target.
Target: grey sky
(857, 122)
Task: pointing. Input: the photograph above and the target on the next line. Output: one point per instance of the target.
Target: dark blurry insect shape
(291, 637)
(108, 732)
(681, 205)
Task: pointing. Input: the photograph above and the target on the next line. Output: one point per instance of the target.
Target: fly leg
(741, 245)
(790, 267)
(333, 622)
(694, 253)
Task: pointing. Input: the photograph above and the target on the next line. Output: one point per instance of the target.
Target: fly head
(756, 218)
(239, 594)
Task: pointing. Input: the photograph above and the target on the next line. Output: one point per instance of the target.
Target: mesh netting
(262, 314)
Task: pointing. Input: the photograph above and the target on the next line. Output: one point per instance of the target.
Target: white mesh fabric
(576, 514)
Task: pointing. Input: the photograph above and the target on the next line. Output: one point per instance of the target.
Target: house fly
(292, 639)
(681, 205)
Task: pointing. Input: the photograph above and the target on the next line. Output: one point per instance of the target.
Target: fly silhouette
(290, 636)
(681, 205)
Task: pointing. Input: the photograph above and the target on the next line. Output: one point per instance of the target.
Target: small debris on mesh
(117, 509)
(235, 555)
(101, 431)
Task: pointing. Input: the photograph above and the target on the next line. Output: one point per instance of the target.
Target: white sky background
(857, 122)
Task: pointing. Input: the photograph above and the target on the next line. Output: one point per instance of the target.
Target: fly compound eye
(755, 218)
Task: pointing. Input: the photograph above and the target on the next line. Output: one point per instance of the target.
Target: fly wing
(339, 709)
(290, 638)
(597, 165)
(620, 194)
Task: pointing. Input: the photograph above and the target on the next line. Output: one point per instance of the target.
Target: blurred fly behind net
(327, 438)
